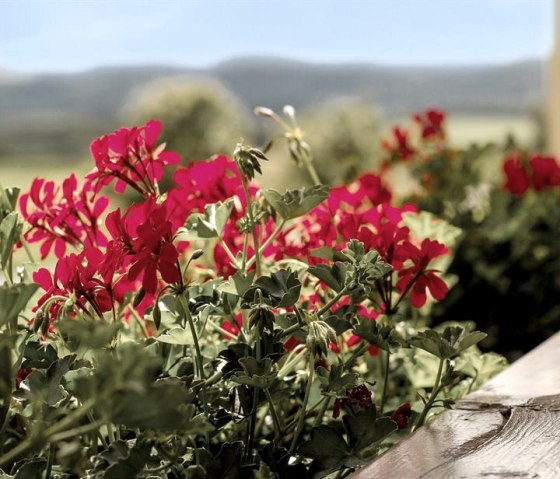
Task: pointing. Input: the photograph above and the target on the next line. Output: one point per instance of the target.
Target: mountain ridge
(90, 102)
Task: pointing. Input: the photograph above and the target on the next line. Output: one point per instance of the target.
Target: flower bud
(263, 111)
(197, 253)
(261, 317)
(319, 335)
(156, 313)
(40, 317)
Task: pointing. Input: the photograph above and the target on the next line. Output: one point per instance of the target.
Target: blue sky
(74, 35)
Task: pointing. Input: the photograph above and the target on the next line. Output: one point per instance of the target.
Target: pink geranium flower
(63, 215)
(130, 156)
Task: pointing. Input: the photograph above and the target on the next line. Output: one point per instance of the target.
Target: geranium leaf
(333, 276)
(280, 289)
(10, 231)
(327, 448)
(295, 203)
(365, 431)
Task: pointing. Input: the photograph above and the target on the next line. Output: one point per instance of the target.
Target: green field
(463, 130)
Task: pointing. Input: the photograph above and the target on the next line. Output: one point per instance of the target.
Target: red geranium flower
(130, 156)
(517, 178)
(63, 215)
(418, 278)
(75, 277)
(401, 415)
(143, 239)
(546, 172)
(431, 122)
(399, 146)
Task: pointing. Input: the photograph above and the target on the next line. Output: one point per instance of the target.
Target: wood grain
(508, 428)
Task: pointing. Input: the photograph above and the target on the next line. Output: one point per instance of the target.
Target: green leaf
(329, 253)
(120, 461)
(257, 374)
(432, 342)
(162, 406)
(384, 337)
(32, 468)
(55, 373)
(279, 290)
(227, 464)
(242, 281)
(327, 448)
(211, 223)
(451, 342)
(11, 194)
(13, 300)
(337, 382)
(365, 432)
(10, 231)
(90, 334)
(295, 203)
(333, 276)
(177, 335)
(480, 366)
(6, 347)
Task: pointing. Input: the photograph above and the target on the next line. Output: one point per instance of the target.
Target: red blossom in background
(539, 172)
(546, 172)
(360, 396)
(63, 215)
(399, 145)
(517, 179)
(401, 415)
(431, 123)
(130, 156)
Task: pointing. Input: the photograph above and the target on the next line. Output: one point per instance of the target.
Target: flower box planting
(214, 328)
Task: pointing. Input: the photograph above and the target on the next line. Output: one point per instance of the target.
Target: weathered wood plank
(508, 428)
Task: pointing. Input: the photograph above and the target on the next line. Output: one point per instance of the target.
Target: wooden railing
(510, 428)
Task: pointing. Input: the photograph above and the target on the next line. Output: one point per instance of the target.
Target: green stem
(62, 425)
(355, 355)
(198, 355)
(325, 405)
(310, 167)
(253, 420)
(190, 321)
(332, 302)
(301, 420)
(111, 433)
(433, 395)
(253, 223)
(138, 320)
(385, 380)
(229, 253)
(50, 460)
(274, 414)
(265, 245)
(245, 249)
(77, 431)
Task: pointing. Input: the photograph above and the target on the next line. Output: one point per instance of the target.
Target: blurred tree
(200, 116)
(344, 137)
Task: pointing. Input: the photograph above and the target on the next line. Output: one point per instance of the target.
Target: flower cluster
(232, 303)
(61, 216)
(142, 252)
(130, 157)
(403, 144)
(358, 397)
(537, 172)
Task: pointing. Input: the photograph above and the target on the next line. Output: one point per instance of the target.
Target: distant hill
(70, 109)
